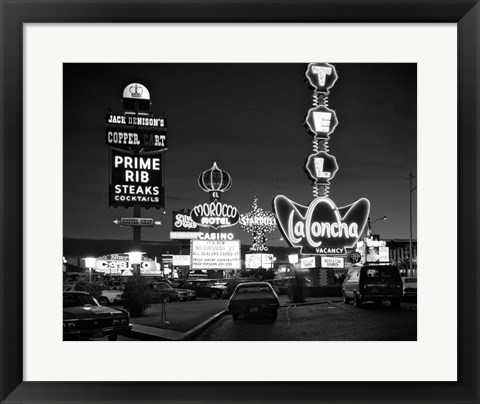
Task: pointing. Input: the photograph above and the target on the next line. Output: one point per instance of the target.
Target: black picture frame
(464, 13)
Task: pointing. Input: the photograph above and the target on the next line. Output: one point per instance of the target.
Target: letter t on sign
(321, 72)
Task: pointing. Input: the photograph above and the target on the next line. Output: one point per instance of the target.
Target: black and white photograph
(240, 202)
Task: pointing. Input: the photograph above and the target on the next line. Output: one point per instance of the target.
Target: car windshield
(254, 289)
(78, 300)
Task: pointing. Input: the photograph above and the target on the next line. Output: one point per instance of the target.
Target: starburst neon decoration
(258, 222)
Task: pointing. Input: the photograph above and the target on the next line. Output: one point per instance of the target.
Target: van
(375, 283)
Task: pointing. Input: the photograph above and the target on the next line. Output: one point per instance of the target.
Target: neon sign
(215, 214)
(258, 222)
(321, 121)
(321, 167)
(321, 224)
(321, 227)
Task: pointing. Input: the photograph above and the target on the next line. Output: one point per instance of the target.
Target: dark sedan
(84, 317)
(253, 298)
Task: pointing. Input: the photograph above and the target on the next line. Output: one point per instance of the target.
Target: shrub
(94, 288)
(137, 296)
(296, 288)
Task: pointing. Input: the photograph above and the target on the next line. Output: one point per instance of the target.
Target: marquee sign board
(215, 254)
(258, 260)
(332, 262)
(136, 180)
(137, 221)
(181, 260)
(307, 262)
(321, 226)
(184, 235)
(130, 131)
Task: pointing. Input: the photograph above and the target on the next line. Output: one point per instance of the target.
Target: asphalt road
(321, 322)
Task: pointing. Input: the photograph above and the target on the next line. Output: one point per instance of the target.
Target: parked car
(205, 288)
(253, 298)
(409, 287)
(110, 296)
(375, 283)
(163, 292)
(84, 317)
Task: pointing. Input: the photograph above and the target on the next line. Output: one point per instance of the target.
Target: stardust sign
(215, 254)
(321, 227)
(136, 180)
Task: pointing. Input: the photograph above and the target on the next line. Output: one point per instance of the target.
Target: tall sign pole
(321, 228)
(137, 140)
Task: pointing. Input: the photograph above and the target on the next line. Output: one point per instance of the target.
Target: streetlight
(369, 231)
(90, 263)
(135, 258)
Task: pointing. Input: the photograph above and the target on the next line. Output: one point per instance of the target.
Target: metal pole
(410, 254)
(89, 275)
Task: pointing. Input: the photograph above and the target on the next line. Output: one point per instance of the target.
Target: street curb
(309, 303)
(196, 330)
(202, 326)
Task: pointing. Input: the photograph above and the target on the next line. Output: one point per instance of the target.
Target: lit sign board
(378, 254)
(321, 167)
(321, 227)
(182, 221)
(126, 131)
(321, 76)
(321, 121)
(215, 236)
(137, 221)
(122, 120)
(293, 258)
(112, 267)
(332, 262)
(136, 180)
(182, 260)
(115, 264)
(215, 254)
(307, 262)
(215, 214)
(254, 261)
(183, 235)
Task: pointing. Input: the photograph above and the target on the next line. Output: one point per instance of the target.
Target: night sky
(248, 118)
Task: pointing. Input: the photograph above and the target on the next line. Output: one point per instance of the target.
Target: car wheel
(213, 296)
(357, 302)
(103, 301)
(274, 315)
(235, 316)
(113, 337)
(395, 303)
(166, 298)
(346, 299)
